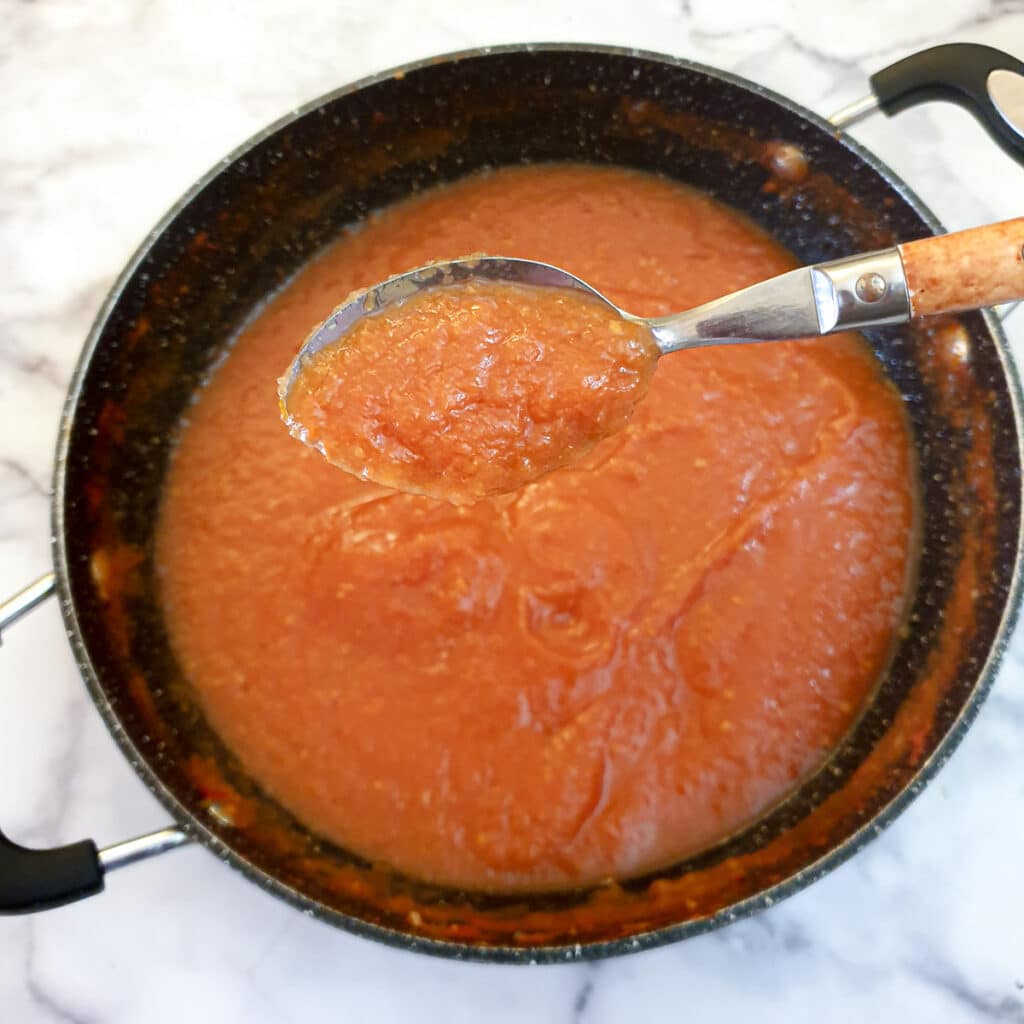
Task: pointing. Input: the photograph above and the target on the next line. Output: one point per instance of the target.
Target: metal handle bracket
(25, 600)
(986, 82)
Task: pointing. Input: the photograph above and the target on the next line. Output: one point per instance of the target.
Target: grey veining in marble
(108, 111)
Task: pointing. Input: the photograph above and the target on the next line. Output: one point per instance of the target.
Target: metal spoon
(965, 270)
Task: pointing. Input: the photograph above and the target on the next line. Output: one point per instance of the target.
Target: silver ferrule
(861, 291)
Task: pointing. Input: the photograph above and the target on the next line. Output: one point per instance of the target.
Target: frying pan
(246, 227)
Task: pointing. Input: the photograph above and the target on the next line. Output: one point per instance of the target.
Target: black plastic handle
(32, 880)
(961, 73)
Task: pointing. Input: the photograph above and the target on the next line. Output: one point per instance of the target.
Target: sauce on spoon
(472, 390)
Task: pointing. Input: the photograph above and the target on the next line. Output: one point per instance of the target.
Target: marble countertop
(108, 111)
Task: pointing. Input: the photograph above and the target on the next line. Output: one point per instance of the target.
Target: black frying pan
(250, 224)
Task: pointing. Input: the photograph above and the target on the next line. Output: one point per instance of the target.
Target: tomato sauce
(599, 673)
(472, 389)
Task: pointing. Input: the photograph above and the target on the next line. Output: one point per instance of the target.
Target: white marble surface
(108, 110)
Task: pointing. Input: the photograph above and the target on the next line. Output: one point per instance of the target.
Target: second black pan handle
(39, 879)
(32, 880)
(985, 81)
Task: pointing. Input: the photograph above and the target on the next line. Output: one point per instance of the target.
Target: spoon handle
(965, 270)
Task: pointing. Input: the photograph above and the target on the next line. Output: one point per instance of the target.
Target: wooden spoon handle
(965, 270)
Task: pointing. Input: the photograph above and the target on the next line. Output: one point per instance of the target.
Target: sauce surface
(474, 389)
(600, 673)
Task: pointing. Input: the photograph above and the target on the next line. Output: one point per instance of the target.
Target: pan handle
(32, 880)
(984, 81)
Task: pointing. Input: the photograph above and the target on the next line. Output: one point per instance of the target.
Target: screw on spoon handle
(965, 270)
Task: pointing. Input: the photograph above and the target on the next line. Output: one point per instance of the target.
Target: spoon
(979, 267)
(964, 270)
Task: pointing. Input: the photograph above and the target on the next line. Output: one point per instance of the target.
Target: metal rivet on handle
(871, 287)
